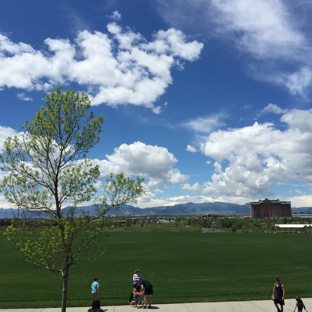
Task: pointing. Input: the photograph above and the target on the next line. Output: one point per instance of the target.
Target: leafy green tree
(207, 223)
(226, 223)
(47, 170)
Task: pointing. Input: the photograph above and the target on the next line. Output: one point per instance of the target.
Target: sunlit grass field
(182, 266)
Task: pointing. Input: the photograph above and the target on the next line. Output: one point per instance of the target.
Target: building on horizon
(270, 209)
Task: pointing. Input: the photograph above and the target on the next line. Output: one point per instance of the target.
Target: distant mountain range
(215, 208)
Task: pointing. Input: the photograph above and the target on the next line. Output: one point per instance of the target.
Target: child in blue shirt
(95, 288)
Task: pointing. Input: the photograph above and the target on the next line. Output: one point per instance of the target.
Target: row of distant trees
(222, 223)
(239, 224)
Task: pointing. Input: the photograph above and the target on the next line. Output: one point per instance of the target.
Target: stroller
(137, 302)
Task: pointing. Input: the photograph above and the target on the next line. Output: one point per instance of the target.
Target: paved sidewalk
(233, 306)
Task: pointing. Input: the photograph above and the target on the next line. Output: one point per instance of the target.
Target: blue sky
(208, 100)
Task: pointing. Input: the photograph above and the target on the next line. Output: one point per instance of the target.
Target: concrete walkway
(235, 306)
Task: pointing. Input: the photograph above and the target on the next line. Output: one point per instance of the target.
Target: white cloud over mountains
(154, 163)
(249, 160)
(120, 67)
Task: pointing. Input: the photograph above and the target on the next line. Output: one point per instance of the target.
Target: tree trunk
(65, 284)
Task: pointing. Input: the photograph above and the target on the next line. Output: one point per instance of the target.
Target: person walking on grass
(278, 295)
(299, 304)
(95, 289)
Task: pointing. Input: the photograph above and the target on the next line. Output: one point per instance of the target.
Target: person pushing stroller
(147, 290)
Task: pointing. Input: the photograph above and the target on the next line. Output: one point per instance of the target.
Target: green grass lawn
(182, 266)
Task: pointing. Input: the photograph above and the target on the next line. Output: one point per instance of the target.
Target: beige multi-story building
(270, 209)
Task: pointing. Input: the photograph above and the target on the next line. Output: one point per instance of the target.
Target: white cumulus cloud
(249, 160)
(154, 163)
(116, 68)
